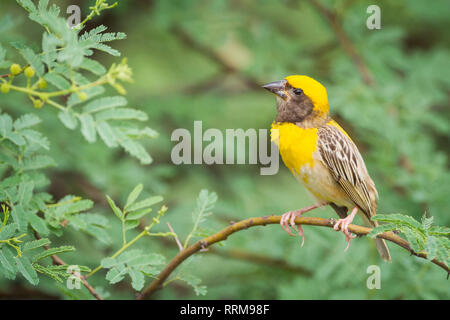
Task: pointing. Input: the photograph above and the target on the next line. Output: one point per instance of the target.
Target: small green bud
(29, 72)
(5, 88)
(15, 69)
(42, 84)
(38, 104)
(82, 96)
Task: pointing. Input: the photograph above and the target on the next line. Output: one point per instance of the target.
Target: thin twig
(262, 221)
(180, 246)
(345, 41)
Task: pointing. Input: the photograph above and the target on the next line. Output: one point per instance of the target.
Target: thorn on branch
(204, 246)
(180, 246)
(332, 222)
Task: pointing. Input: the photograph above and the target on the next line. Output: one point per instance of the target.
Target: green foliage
(422, 237)
(28, 262)
(27, 209)
(135, 264)
(57, 273)
(194, 282)
(65, 55)
(205, 203)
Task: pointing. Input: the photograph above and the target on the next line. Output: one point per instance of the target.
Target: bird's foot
(288, 220)
(342, 225)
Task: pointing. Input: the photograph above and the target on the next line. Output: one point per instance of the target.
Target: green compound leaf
(93, 66)
(57, 80)
(137, 279)
(115, 208)
(133, 195)
(26, 269)
(121, 114)
(145, 203)
(116, 274)
(35, 137)
(104, 104)
(106, 132)
(52, 251)
(136, 215)
(88, 127)
(398, 219)
(68, 118)
(26, 121)
(35, 244)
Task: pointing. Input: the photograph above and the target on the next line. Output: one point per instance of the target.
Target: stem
(95, 10)
(52, 205)
(124, 236)
(197, 221)
(6, 217)
(56, 105)
(124, 247)
(180, 246)
(146, 231)
(41, 95)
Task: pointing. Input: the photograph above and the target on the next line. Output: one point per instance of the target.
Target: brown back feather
(346, 165)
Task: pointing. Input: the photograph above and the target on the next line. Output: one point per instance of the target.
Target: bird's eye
(298, 91)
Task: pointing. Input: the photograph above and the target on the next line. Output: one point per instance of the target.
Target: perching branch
(262, 221)
(345, 41)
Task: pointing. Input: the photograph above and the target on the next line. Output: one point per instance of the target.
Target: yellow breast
(298, 148)
(296, 145)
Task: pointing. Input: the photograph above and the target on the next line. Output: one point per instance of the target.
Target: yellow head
(312, 89)
(299, 98)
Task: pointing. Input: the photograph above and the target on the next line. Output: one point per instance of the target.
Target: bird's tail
(380, 243)
(383, 249)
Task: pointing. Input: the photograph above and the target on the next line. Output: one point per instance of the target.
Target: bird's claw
(288, 220)
(344, 223)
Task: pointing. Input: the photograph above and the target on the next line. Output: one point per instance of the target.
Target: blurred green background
(205, 60)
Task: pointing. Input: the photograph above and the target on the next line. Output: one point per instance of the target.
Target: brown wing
(346, 165)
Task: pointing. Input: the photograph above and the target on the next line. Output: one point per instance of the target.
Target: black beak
(277, 87)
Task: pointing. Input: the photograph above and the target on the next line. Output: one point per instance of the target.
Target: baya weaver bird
(321, 155)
